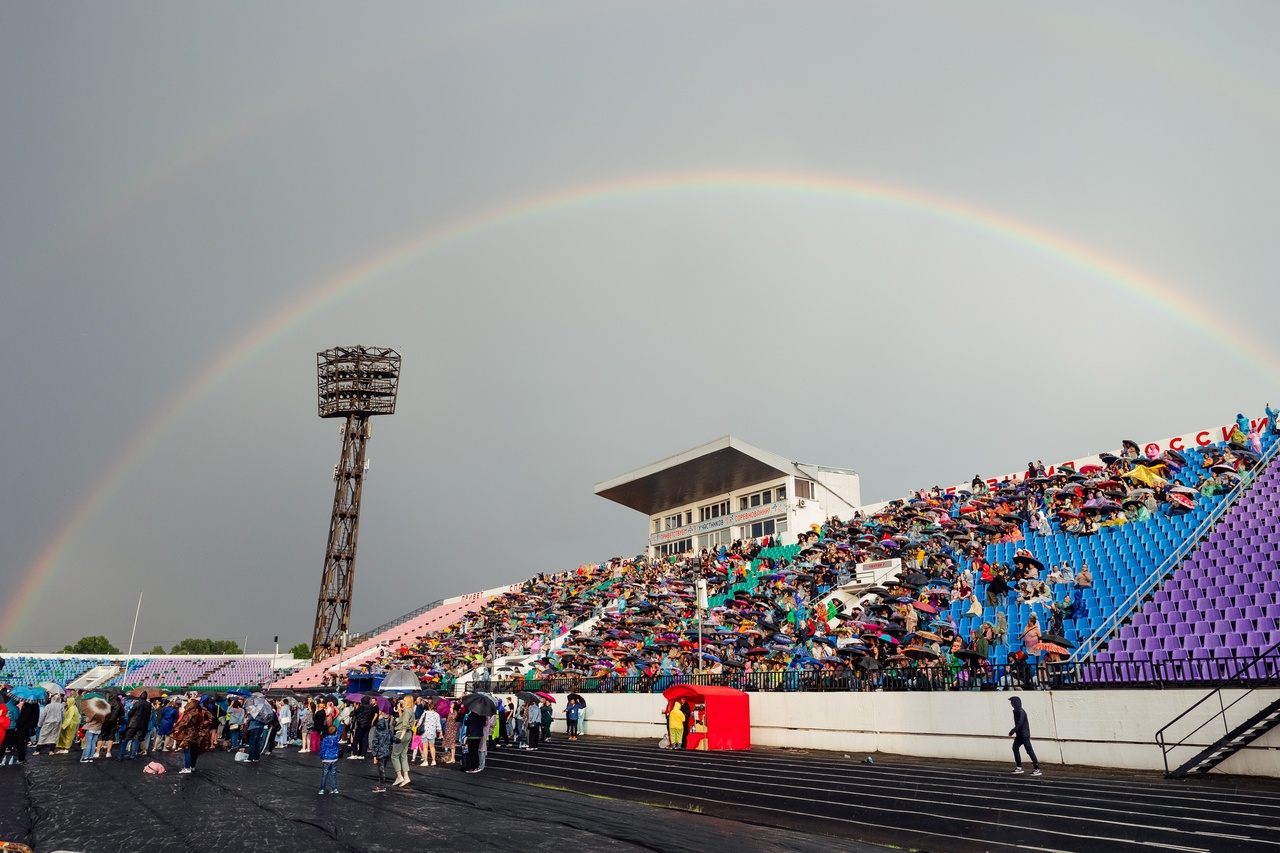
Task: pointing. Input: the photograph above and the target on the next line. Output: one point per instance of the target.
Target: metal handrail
(366, 635)
(1122, 611)
(1165, 749)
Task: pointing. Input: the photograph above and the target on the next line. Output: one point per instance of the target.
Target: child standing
(330, 751)
(380, 749)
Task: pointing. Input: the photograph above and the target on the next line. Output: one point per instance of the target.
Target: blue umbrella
(33, 694)
(239, 691)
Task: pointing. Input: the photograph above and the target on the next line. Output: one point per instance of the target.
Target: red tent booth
(727, 715)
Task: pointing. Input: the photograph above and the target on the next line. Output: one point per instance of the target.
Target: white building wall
(1102, 728)
(835, 493)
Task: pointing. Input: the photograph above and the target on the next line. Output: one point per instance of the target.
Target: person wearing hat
(1021, 734)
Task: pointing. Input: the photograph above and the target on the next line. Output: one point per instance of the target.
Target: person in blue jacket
(330, 752)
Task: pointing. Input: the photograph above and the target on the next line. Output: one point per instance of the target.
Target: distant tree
(191, 646)
(98, 645)
(156, 650)
(301, 651)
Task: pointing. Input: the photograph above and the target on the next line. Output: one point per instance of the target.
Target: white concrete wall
(1103, 728)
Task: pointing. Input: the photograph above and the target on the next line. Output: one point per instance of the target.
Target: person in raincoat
(192, 734)
(675, 726)
(50, 724)
(70, 724)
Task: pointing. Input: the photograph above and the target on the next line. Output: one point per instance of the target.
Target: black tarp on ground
(56, 803)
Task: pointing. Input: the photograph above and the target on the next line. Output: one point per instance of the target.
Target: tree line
(100, 645)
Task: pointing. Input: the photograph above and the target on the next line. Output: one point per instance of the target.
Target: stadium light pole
(702, 609)
(134, 632)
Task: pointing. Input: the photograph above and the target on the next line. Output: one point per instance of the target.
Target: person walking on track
(1021, 734)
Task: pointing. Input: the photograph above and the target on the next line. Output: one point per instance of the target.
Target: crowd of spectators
(633, 623)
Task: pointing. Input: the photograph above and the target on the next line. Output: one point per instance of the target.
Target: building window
(671, 522)
(714, 539)
(804, 489)
(711, 511)
(762, 498)
(763, 528)
(673, 548)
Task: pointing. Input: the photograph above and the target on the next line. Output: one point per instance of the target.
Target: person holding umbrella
(572, 709)
(401, 739)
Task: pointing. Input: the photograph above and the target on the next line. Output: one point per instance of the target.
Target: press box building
(727, 489)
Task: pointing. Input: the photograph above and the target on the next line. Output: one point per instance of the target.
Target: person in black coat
(362, 719)
(23, 727)
(111, 725)
(135, 727)
(1021, 734)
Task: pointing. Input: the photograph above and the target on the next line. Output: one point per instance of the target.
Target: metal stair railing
(1088, 647)
(368, 635)
(1223, 708)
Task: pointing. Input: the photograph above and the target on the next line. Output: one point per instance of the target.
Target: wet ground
(913, 803)
(56, 803)
(616, 795)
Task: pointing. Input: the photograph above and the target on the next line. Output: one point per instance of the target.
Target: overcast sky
(917, 240)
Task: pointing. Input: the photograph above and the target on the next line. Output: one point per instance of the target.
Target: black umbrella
(479, 703)
(1023, 559)
(970, 654)
(1058, 639)
(529, 696)
(915, 579)
(574, 697)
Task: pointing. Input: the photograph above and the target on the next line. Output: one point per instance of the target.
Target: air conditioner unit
(800, 503)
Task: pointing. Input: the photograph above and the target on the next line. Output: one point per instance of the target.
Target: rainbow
(1134, 284)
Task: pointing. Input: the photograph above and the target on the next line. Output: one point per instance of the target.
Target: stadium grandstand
(1153, 565)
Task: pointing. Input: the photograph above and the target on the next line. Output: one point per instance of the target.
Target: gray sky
(925, 257)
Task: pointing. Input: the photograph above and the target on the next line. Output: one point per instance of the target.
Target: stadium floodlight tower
(356, 383)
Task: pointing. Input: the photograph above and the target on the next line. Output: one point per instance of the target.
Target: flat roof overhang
(701, 473)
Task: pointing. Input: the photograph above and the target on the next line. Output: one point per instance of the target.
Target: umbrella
(919, 650)
(970, 654)
(929, 635)
(480, 703)
(256, 707)
(529, 696)
(1057, 639)
(400, 681)
(1052, 648)
(1025, 559)
(29, 694)
(546, 696)
(924, 607)
(239, 691)
(574, 697)
(50, 687)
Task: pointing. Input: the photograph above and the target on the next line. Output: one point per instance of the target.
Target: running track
(916, 804)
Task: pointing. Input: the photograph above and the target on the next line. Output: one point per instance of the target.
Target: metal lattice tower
(355, 383)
